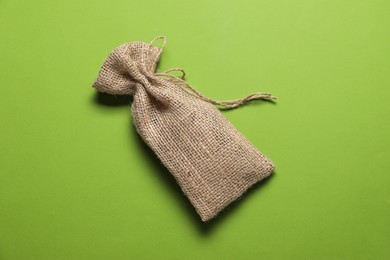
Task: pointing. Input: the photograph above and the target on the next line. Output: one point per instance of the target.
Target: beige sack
(213, 163)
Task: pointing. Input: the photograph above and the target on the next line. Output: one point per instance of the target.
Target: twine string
(228, 104)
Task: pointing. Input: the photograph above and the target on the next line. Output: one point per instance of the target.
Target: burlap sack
(212, 162)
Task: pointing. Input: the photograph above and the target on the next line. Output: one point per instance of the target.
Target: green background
(76, 182)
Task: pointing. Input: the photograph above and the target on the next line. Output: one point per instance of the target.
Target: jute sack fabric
(212, 162)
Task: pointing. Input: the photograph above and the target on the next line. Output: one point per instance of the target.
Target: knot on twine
(133, 64)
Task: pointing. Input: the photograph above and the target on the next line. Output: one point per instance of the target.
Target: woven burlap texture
(212, 162)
